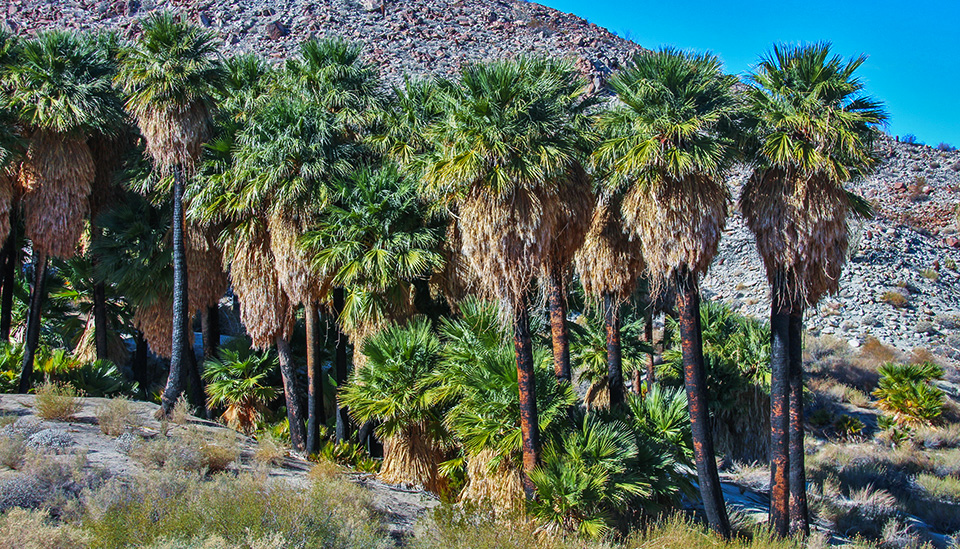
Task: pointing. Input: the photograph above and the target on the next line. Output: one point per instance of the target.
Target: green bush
(906, 392)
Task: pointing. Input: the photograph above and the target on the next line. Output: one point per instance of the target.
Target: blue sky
(913, 47)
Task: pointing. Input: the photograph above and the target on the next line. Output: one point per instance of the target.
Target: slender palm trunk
(181, 342)
(651, 360)
(288, 373)
(614, 353)
(340, 365)
(529, 419)
(140, 373)
(799, 517)
(99, 306)
(210, 328)
(197, 390)
(558, 324)
(37, 297)
(695, 380)
(9, 265)
(779, 408)
(315, 415)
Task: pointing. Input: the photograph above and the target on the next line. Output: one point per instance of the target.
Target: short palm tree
(171, 77)
(60, 90)
(812, 131)
(668, 148)
(237, 381)
(512, 134)
(610, 263)
(393, 388)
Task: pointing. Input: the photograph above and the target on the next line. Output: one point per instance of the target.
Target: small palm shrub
(237, 381)
(348, 454)
(848, 427)
(100, 378)
(907, 393)
(57, 401)
(394, 389)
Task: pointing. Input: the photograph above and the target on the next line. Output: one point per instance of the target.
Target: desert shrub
(183, 507)
(906, 391)
(457, 527)
(57, 401)
(910, 139)
(946, 147)
(895, 298)
(12, 447)
(26, 529)
(821, 417)
(166, 452)
(115, 416)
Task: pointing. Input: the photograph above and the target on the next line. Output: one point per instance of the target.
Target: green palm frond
(62, 82)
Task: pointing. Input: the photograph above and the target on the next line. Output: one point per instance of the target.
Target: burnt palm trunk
(340, 365)
(695, 380)
(140, 373)
(315, 415)
(611, 323)
(799, 516)
(197, 392)
(779, 408)
(651, 361)
(210, 328)
(181, 343)
(32, 340)
(529, 419)
(99, 307)
(288, 373)
(9, 265)
(558, 325)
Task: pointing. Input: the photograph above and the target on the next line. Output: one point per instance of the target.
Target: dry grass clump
(31, 529)
(12, 448)
(873, 349)
(755, 475)
(895, 298)
(116, 415)
(269, 450)
(181, 412)
(57, 401)
(325, 470)
(191, 451)
(177, 510)
(945, 488)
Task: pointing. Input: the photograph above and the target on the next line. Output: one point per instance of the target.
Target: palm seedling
(238, 382)
(511, 139)
(60, 91)
(667, 148)
(811, 130)
(393, 388)
(171, 79)
(906, 391)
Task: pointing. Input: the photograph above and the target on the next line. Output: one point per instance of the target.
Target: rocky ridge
(911, 248)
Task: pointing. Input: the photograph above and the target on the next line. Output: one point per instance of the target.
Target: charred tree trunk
(37, 297)
(100, 321)
(140, 372)
(340, 365)
(529, 419)
(210, 329)
(558, 325)
(9, 265)
(181, 344)
(799, 516)
(288, 373)
(197, 392)
(779, 408)
(611, 322)
(695, 380)
(315, 415)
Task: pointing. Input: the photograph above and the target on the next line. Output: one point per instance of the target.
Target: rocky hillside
(901, 285)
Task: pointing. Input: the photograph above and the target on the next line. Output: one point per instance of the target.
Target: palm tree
(609, 265)
(512, 135)
(171, 78)
(668, 146)
(237, 381)
(393, 388)
(812, 131)
(61, 92)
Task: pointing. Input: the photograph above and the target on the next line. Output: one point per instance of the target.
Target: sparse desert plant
(874, 349)
(897, 299)
(181, 412)
(12, 448)
(945, 147)
(930, 274)
(57, 401)
(115, 416)
(167, 452)
(269, 450)
(33, 529)
(906, 391)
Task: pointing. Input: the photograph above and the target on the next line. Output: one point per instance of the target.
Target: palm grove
(422, 230)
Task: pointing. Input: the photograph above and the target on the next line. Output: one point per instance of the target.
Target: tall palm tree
(171, 78)
(812, 131)
(668, 147)
(513, 133)
(609, 264)
(61, 92)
